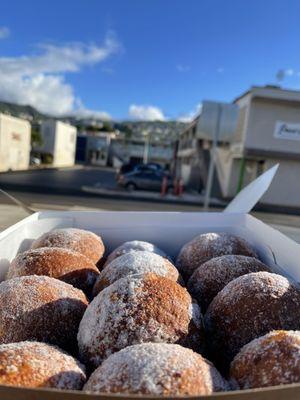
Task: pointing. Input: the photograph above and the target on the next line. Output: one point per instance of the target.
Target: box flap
(246, 199)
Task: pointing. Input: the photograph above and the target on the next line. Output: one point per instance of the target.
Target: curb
(41, 168)
(96, 192)
(145, 196)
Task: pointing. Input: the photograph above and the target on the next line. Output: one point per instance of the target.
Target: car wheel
(131, 186)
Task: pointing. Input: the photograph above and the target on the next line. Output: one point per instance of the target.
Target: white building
(15, 134)
(192, 158)
(133, 151)
(58, 143)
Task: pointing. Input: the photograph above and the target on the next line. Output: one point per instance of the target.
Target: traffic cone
(180, 187)
(164, 186)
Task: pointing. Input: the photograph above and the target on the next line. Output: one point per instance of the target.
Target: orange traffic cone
(164, 186)
(180, 187)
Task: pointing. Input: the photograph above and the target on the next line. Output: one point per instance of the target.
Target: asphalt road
(59, 180)
(75, 181)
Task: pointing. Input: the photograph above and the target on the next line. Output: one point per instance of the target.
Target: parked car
(155, 166)
(126, 168)
(144, 179)
(36, 161)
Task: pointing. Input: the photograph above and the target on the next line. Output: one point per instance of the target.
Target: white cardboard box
(169, 231)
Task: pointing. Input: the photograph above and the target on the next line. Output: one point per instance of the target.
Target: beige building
(268, 132)
(58, 143)
(15, 134)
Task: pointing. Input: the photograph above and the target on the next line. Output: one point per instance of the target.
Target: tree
(36, 137)
(107, 127)
(93, 128)
(128, 132)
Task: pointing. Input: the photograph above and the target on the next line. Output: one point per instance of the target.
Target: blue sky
(143, 58)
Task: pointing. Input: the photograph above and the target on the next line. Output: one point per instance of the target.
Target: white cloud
(82, 112)
(183, 68)
(58, 59)
(87, 113)
(39, 79)
(188, 117)
(146, 113)
(4, 32)
(289, 72)
(47, 93)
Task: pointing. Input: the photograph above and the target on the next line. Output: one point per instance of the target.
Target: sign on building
(217, 121)
(287, 130)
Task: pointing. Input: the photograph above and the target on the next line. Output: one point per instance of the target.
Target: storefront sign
(287, 130)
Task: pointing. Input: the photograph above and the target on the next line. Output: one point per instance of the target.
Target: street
(90, 182)
(61, 180)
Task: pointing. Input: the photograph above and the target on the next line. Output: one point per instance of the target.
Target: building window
(260, 167)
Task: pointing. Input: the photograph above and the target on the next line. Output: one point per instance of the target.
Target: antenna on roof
(280, 75)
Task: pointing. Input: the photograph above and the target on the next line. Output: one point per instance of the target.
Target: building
(139, 150)
(81, 149)
(58, 143)
(192, 158)
(268, 132)
(94, 147)
(216, 120)
(15, 135)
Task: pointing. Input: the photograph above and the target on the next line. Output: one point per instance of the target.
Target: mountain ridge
(165, 130)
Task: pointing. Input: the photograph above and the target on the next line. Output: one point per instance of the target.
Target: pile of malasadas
(134, 326)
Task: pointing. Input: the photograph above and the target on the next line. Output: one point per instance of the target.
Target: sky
(144, 59)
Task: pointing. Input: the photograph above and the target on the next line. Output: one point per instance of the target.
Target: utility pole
(146, 149)
(211, 168)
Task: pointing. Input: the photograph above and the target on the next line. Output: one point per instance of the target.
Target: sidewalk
(10, 214)
(185, 198)
(42, 167)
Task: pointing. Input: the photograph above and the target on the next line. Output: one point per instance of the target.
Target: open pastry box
(168, 230)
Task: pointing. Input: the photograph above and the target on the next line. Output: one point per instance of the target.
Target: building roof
(272, 92)
(13, 118)
(191, 124)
